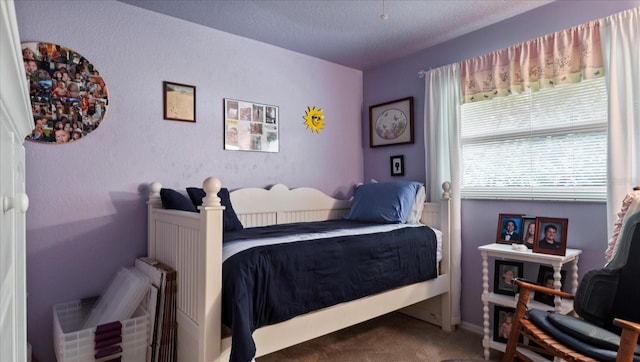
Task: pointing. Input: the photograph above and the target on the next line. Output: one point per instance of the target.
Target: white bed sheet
(231, 248)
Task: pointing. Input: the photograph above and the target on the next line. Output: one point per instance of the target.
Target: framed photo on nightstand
(529, 233)
(509, 229)
(504, 276)
(546, 279)
(552, 236)
(502, 320)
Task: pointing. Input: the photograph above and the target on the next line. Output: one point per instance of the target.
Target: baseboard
(473, 328)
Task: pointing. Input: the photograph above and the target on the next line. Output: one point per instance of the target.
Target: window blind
(550, 144)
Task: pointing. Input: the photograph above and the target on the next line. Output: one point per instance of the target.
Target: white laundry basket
(126, 339)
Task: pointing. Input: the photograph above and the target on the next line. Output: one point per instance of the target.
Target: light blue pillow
(383, 202)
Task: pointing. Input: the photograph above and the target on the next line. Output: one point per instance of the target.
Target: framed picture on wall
(391, 123)
(68, 101)
(179, 101)
(250, 126)
(397, 165)
(552, 236)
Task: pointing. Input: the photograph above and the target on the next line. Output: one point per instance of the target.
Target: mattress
(274, 273)
(238, 241)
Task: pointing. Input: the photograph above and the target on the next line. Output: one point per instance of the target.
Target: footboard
(438, 310)
(191, 243)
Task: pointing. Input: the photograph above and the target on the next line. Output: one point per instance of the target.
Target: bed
(191, 243)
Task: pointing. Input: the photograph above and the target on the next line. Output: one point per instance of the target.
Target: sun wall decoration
(314, 119)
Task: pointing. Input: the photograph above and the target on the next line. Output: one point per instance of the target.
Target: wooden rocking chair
(607, 303)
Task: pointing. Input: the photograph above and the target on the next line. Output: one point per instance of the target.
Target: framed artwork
(179, 102)
(397, 165)
(504, 276)
(509, 228)
(546, 279)
(391, 123)
(552, 236)
(69, 97)
(502, 321)
(529, 234)
(250, 126)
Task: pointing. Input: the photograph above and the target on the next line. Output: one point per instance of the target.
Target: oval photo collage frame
(69, 98)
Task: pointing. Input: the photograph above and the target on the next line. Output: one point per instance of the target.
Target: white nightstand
(505, 251)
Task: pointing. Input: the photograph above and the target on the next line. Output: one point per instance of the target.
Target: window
(550, 144)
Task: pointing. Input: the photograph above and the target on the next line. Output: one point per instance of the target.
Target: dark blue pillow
(173, 200)
(230, 219)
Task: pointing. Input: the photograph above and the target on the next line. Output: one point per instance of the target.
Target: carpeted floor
(394, 337)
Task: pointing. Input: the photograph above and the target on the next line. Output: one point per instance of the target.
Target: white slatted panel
(187, 267)
(287, 217)
(166, 238)
(281, 205)
(184, 259)
(257, 219)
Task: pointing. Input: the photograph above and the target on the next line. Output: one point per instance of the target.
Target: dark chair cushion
(595, 296)
(230, 219)
(173, 200)
(628, 294)
(587, 332)
(540, 319)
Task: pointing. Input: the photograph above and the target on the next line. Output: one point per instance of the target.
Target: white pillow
(418, 206)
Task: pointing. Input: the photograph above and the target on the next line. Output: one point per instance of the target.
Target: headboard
(281, 205)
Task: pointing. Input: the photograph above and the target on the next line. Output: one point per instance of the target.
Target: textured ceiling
(347, 32)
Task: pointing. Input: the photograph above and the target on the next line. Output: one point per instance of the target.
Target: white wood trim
(15, 88)
(16, 121)
(256, 207)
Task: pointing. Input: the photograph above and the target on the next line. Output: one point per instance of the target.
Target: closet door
(13, 317)
(16, 121)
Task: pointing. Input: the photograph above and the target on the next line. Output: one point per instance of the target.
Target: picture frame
(504, 222)
(391, 123)
(552, 236)
(529, 234)
(546, 278)
(68, 102)
(502, 321)
(251, 126)
(179, 101)
(397, 165)
(504, 274)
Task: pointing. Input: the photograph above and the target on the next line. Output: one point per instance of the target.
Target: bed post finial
(446, 187)
(154, 192)
(211, 186)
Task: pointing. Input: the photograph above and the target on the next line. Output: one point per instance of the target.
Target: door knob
(20, 202)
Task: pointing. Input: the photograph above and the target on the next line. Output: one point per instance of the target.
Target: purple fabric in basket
(101, 336)
(108, 342)
(108, 351)
(107, 327)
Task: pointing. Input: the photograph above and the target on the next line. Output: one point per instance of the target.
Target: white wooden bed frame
(191, 243)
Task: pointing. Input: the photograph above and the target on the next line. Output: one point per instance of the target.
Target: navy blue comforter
(270, 284)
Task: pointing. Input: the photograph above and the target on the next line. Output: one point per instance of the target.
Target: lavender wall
(587, 221)
(88, 214)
